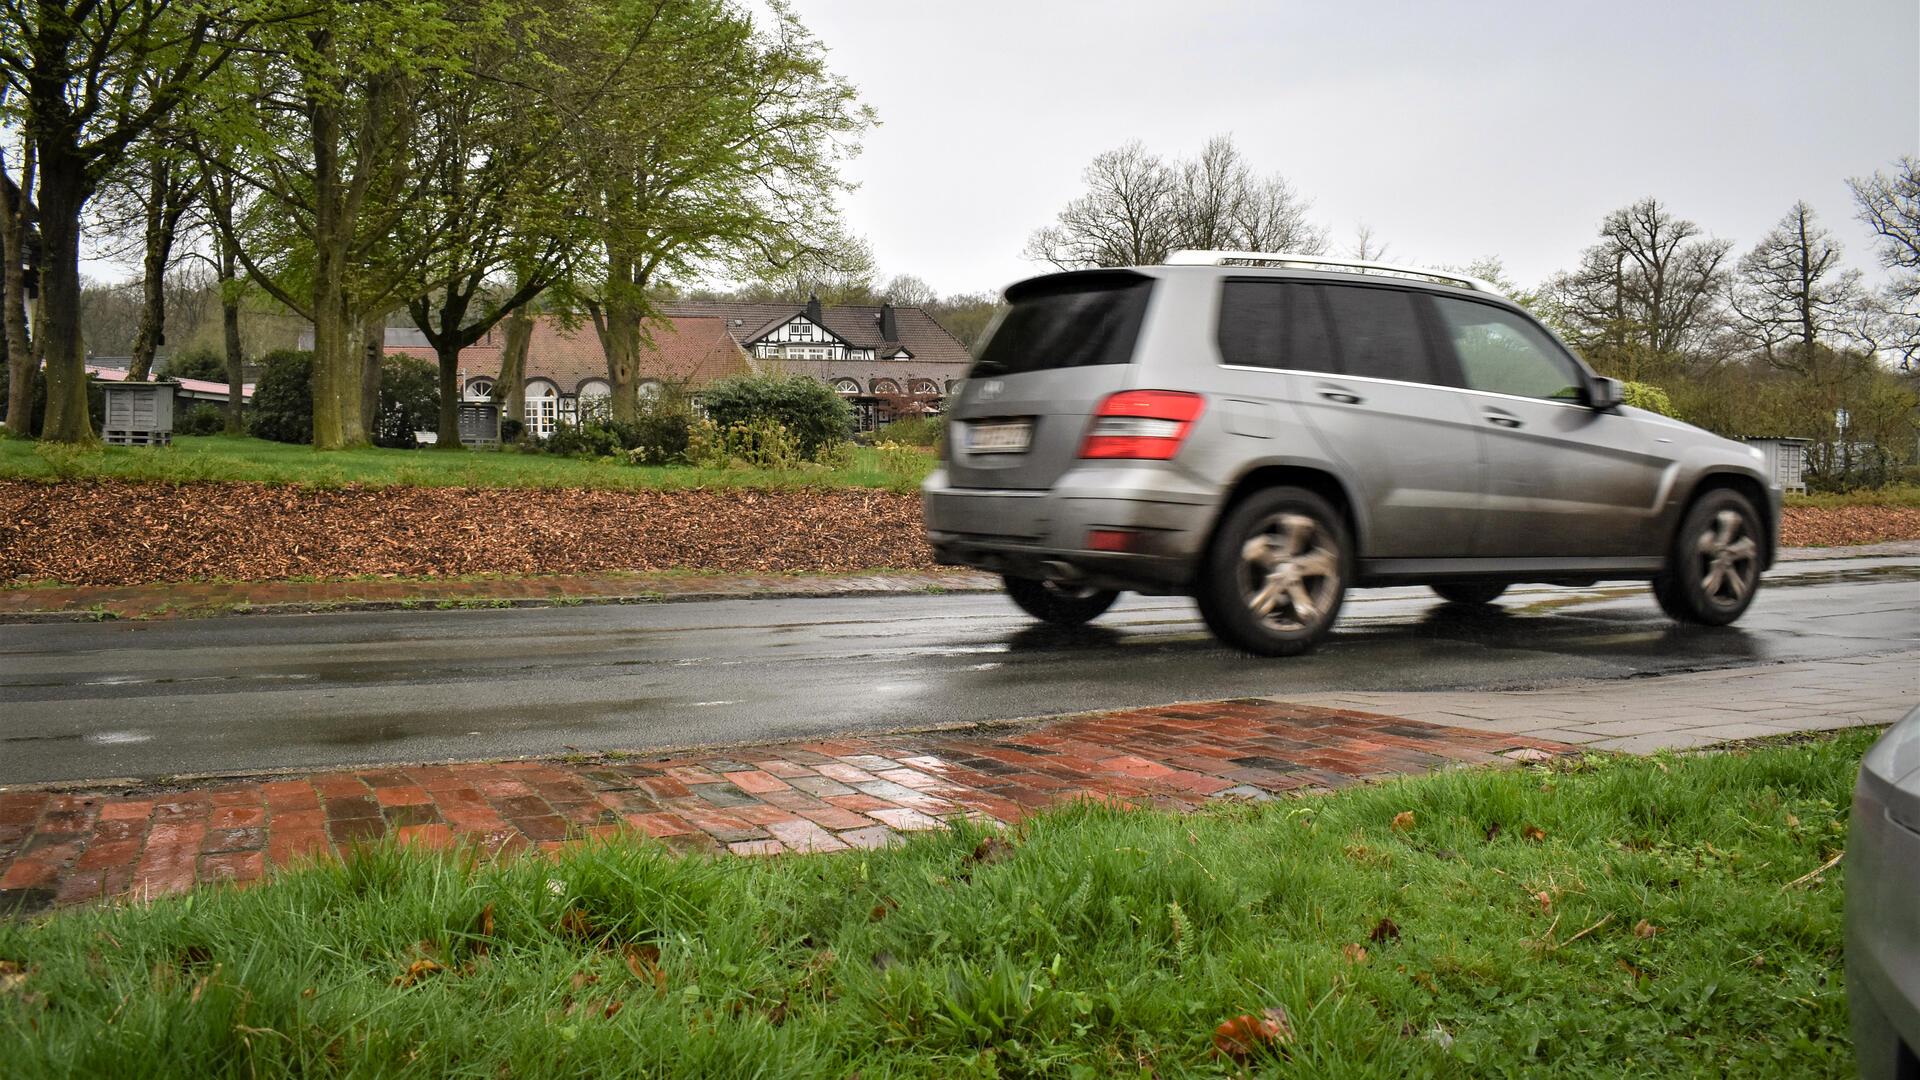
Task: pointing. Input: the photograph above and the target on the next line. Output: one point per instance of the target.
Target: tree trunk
(337, 372)
(510, 388)
(230, 335)
(22, 366)
(153, 277)
(63, 191)
(447, 353)
(370, 344)
(618, 325)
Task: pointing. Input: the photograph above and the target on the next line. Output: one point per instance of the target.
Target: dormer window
(802, 331)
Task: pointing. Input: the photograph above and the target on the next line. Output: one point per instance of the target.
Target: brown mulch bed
(120, 533)
(1838, 526)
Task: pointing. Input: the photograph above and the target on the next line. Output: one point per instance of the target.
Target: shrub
(902, 461)
(589, 440)
(409, 402)
(204, 418)
(815, 417)
(283, 397)
(199, 363)
(917, 430)
(1649, 397)
(510, 429)
(660, 429)
(760, 443)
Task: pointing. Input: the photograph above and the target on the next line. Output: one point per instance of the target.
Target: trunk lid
(1065, 342)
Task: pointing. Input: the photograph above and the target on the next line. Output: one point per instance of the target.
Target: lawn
(1891, 495)
(222, 457)
(1610, 917)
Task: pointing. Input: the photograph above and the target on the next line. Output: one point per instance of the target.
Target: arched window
(846, 386)
(543, 407)
(479, 388)
(923, 388)
(885, 386)
(648, 389)
(596, 400)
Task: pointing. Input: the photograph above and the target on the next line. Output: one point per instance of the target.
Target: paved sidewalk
(832, 795)
(1674, 712)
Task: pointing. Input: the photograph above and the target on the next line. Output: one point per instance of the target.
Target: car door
(1563, 480)
(1367, 380)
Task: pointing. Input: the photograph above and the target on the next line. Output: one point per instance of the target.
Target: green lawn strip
(229, 458)
(1105, 942)
(1892, 495)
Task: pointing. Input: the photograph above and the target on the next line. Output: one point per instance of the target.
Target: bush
(409, 402)
(1649, 397)
(902, 461)
(593, 439)
(917, 430)
(283, 397)
(660, 429)
(813, 415)
(204, 418)
(510, 429)
(760, 443)
(197, 364)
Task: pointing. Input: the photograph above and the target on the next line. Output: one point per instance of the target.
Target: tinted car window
(1276, 324)
(1502, 353)
(1379, 334)
(1073, 320)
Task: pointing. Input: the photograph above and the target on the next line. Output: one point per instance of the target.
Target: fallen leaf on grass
(991, 850)
(883, 908)
(1639, 975)
(1246, 1035)
(1644, 929)
(575, 923)
(416, 971)
(1385, 930)
(1355, 954)
(1403, 821)
(1546, 901)
(644, 962)
(581, 978)
(13, 975)
(1534, 833)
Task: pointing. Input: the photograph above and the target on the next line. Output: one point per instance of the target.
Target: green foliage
(409, 401)
(902, 459)
(283, 397)
(810, 410)
(200, 363)
(661, 425)
(759, 443)
(204, 418)
(1649, 397)
(917, 430)
(1107, 941)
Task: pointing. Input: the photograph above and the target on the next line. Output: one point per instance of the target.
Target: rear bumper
(1043, 534)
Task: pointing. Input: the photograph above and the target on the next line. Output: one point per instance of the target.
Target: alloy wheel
(1290, 572)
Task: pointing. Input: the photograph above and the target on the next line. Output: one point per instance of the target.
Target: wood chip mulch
(1837, 526)
(121, 533)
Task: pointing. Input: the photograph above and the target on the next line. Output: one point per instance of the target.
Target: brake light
(1145, 425)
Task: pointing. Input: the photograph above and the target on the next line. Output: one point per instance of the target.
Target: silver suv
(1262, 432)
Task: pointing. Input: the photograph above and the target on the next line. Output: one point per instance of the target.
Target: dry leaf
(13, 975)
(575, 923)
(1246, 1035)
(1403, 821)
(991, 850)
(881, 909)
(581, 978)
(612, 1007)
(416, 971)
(1355, 954)
(1546, 901)
(485, 929)
(1644, 929)
(1385, 930)
(644, 962)
(1638, 974)
(1534, 833)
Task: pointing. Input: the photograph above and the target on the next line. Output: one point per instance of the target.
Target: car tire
(1469, 591)
(1275, 573)
(1713, 568)
(1061, 605)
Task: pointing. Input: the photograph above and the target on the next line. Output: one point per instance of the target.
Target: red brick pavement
(826, 795)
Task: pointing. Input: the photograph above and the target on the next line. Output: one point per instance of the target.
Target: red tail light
(1147, 425)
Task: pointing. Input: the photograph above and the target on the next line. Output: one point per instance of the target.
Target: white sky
(1454, 129)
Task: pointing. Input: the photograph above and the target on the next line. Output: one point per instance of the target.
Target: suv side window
(1502, 353)
(1274, 324)
(1379, 333)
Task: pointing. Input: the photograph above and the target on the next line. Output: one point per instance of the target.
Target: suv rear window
(1072, 320)
(1379, 333)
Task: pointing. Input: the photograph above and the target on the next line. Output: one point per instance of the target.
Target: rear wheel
(1061, 605)
(1276, 572)
(1469, 592)
(1713, 570)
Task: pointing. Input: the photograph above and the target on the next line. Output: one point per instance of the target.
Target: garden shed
(138, 413)
(1786, 459)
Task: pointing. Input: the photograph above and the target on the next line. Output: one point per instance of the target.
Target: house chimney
(813, 309)
(889, 325)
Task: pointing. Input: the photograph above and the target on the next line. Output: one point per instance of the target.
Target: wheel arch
(1279, 474)
(1745, 484)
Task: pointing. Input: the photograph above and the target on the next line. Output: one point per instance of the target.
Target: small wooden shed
(1786, 458)
(139, 413)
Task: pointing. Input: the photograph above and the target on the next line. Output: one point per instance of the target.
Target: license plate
(999, 437)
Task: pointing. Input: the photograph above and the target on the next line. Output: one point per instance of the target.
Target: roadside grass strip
(1598, 916)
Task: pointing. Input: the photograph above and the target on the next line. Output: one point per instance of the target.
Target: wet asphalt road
(146, 700)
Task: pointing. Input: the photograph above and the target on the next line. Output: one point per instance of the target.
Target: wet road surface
(88, 701)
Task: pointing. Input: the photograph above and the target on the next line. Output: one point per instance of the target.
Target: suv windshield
(1072, 320)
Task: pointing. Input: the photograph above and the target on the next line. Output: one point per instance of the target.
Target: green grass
(1891, 495)
(1107, 942)
(230, 458)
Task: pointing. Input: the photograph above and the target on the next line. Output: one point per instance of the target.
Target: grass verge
(1892, 495)
(231, 458)
(1610, 917)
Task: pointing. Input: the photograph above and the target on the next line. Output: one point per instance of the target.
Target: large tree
(87, 79)
(1793, 299)
(1138, 207)
(1890, 205)
(715, 145)
(22, 358)
(1646, 295)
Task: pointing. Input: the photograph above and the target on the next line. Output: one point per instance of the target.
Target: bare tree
(906, 290)
(1365, 247)
(1791, 299)
(1890, 205)
(1645, 295)
(1138, 207)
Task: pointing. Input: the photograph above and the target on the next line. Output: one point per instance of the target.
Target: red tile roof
(694, 351)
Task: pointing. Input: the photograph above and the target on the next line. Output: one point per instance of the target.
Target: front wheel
(1276, 573)
(1713, 570)
(1061, 605)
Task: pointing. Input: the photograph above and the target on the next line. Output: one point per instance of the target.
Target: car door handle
(1502, 419)
(1341, 396)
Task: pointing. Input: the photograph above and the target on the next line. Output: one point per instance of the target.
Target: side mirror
(1605, 394)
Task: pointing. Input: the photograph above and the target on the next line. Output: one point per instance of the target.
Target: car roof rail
(1321, 262)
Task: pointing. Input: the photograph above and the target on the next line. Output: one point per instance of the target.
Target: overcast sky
(1454, 129)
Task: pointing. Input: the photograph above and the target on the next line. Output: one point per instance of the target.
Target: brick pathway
(58, 848)
(198, 598)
